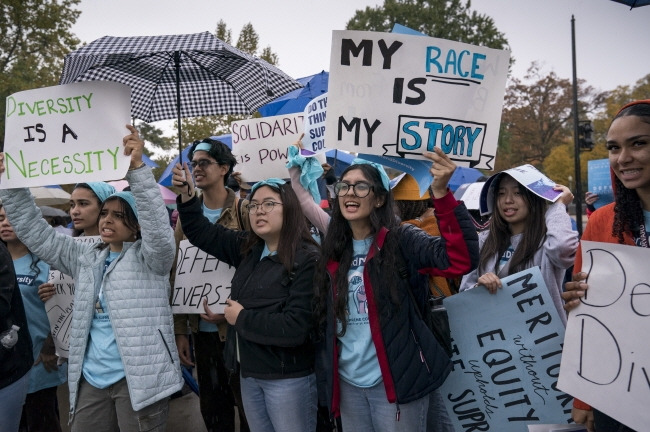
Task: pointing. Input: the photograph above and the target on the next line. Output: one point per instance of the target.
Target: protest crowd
(346, 293)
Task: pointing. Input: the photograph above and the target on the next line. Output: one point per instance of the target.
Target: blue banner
(599, 181)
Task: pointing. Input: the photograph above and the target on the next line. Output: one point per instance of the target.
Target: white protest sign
(315, 116)
(261, 145)
(59, 307)
(506, 357)
(66, 134)
(606, 358)
(400, 95)
(199, 276)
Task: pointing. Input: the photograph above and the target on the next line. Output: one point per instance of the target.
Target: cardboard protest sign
(199, 276)
(66, 134)
(606, 358)
(506, 357)
(400, 95)
(261, 145)
(600, 181)
(470, 194)
(59, 307)
(315, 115)
(528, 176)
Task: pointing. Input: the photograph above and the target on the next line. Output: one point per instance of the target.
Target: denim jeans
(368, 410)
(437, 418)
(110, 410)
(12, 399)
(280, 405)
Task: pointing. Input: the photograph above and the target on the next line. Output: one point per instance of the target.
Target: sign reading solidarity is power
(400, 95)
(66, 134)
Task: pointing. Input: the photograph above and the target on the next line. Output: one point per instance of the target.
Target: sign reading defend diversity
(66, 134)
(261, 145)
(393, 94)
(200, 276)
(606, 358)
(507, 349)
(59, 307)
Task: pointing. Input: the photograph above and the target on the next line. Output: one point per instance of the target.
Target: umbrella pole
(177, 66)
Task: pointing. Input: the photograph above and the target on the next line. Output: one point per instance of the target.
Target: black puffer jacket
(274, 329)
(17, 361)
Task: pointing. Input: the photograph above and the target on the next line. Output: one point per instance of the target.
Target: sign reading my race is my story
(506, 357)
(606, 358)
(261, 145)
(199, 276)
(66, 134)
(400, 95)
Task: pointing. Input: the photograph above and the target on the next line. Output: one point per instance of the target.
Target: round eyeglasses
(267, 206)
(360, 189)
(202, 163)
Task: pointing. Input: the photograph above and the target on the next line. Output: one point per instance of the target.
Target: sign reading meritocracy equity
(59, 307)
(400, 95)
(261, 145)
(200, 276)
(506, 357)
(606, 358)
(66, 134)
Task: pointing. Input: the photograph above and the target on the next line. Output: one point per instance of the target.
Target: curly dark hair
(220, 152)
(337, 246)
(628, 211)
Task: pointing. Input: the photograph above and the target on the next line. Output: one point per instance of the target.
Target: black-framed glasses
(267, 206)
(202, 163)
(360, 189)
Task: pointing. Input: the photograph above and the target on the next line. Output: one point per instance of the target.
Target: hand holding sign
(211, 317)
(574, 291)
(133, 146)
(442, 169)
(182, 179)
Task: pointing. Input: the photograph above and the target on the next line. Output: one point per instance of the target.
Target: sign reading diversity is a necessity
(66, 134)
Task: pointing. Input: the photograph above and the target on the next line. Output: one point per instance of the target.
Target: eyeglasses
(202, 163)
(267, 206)
(360, 189)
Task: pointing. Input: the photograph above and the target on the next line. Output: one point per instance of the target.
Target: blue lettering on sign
(457, 140)
(463, 64)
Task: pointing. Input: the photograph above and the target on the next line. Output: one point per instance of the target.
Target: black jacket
(275, 327)
(17, 361)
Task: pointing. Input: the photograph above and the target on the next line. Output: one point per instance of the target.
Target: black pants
(41, 412)
(604, 423)
(219, 391)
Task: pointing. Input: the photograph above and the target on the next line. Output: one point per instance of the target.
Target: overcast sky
(612, 40)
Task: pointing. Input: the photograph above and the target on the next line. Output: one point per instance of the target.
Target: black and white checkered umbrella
(178, 76)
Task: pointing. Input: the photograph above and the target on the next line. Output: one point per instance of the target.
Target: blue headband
(101, 189)
(272, 182)
(130, 200)
(385, 181)
(203, 146)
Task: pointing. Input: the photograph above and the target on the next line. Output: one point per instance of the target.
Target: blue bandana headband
(203, 146)
(310, 171)
(272, 182)
(101, 189)
(385, 181)
(129, 198)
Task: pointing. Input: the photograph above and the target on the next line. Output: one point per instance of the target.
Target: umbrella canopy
(463, 175)
(168, 196)
(339, 160)
(634, 3)
(297, 100)
(49, 196)
(166, 177)
(52, 211)
(177, 76)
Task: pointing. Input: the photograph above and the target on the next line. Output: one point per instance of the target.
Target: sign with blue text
(507, 349)
(66, 134)
(599, 181)
(606, 359)
(400, 95)
(315, 115)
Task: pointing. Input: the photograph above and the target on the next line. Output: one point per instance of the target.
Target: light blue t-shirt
(39, 326)
(102, 365)
(213, 216)
(358, 364)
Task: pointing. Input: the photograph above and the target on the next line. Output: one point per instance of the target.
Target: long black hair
(294, 231)
(628, 211)
(498, 238)
(337, 246)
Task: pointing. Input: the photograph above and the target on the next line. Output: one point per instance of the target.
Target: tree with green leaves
(202, 127)
(35, 36)
(446, 19)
